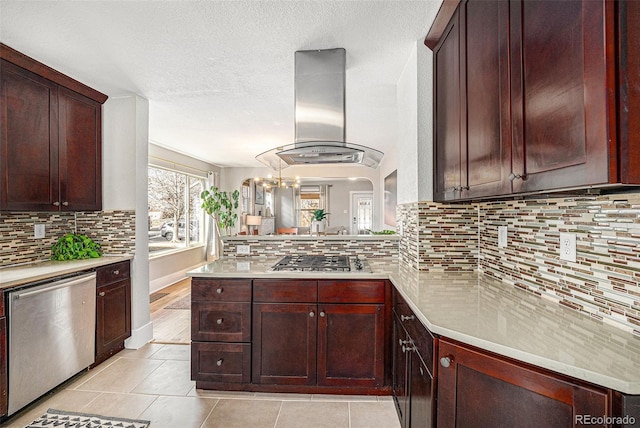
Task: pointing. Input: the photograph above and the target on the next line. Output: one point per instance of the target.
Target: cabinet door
(449, 147)
(481, 389)
(284, 344)
(351, 345)
(3, 365)
(485, 120)
(400, 371)
(562, 109)
(28, 126)
(113, 318)
(80, 152)
(422, 394)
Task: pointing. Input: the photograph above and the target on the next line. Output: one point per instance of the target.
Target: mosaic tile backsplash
(113, 230)
(603, 283)
(382, 248)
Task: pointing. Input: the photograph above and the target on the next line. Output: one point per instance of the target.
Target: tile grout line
(278, 415)
(204, 421)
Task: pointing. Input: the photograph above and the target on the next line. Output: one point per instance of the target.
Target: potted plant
(221, 206)
(318, 221)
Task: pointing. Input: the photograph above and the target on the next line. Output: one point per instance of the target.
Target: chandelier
(281, 182)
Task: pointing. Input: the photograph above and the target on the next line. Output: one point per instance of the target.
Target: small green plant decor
(220, 205)
(75, 247)
(319, 215)
(318, 220)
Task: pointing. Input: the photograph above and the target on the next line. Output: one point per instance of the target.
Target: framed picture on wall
(390, 198)
(259, 195)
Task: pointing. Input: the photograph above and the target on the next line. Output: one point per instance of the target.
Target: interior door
(361, 212)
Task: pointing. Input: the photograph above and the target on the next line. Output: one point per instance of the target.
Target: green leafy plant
(75, 247)
(319, 215)
(382, 232)
(221, 206)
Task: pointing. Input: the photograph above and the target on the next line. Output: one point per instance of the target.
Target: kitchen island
(471, 309)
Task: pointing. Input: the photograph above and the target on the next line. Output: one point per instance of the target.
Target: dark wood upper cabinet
(50, 138)
(533, 97)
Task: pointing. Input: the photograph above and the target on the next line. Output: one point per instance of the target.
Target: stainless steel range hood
(320, 135)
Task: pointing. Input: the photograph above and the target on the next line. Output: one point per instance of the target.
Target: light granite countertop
(481, 311)
(13, 276)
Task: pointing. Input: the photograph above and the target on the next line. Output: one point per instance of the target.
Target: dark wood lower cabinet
(221, 362)
(479, 389)
(113, 309)
(284, 343)
(3, 359)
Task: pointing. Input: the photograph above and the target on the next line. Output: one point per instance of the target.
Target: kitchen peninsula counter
(481, 311)
(12, 276)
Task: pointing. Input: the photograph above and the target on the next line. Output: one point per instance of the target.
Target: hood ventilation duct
(320, 135)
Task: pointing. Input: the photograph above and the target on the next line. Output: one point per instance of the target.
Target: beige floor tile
(373, 415)
(207, 393)
(145, 352)
(121, 376)
(313, 414)
(117, 405)
(171, 378)
(243, 413)
(69, 400)
(173, 352)
(182, 412)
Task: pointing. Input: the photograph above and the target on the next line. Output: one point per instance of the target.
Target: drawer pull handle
(409, 318)
(101, 294)
(116, 272)
(219, 321)
(66, 204)
(312, 314)
(56, 204)
(219, 290)
(219, 362)
(445, 362)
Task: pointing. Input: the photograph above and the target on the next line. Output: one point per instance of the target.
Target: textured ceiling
(219, 74)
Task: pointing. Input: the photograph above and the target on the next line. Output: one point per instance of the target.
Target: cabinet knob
(402, 342)
(219, 321)
(445, 362)
(312, 314)
(56, 204)
(322, 314)
(409, 348)
(66, 204)
(116, 272)
(219, 290)
(407, 318)
(219, 362)
(101, 294)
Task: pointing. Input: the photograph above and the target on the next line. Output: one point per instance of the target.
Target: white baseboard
(140, 337)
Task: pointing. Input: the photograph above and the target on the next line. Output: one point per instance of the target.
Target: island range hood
(320, 136)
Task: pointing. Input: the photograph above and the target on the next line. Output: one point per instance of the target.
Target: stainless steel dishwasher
(51, 335)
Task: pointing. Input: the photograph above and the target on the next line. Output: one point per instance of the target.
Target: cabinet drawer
(285, 291)
(112, 273)
(221, 290)
(222, 322)
(345, 291)
(221, 362)
(421, 336)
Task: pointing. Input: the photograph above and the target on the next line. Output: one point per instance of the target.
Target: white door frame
(353, 230)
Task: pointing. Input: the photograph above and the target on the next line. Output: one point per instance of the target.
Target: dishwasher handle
(55, 285)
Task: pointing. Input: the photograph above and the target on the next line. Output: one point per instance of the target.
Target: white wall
(124, 171)
(168, 269)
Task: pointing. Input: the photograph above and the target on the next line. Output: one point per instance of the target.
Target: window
(175, 218)
(309, 202)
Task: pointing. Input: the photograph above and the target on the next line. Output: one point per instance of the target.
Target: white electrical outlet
(38, 231)
(568, 247)
(243, 249)
(502, 236)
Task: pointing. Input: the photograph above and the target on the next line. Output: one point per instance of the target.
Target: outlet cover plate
(243, 249)
(568, 247)
(502, 236)
(38, 231)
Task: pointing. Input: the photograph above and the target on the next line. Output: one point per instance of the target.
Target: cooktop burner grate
(318, 263)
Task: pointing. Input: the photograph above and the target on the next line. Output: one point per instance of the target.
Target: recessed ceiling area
(219, 75)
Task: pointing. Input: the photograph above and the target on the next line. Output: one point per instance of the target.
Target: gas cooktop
(322, 264)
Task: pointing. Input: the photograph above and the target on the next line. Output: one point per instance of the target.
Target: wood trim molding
(21, 60)
(443, 17)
